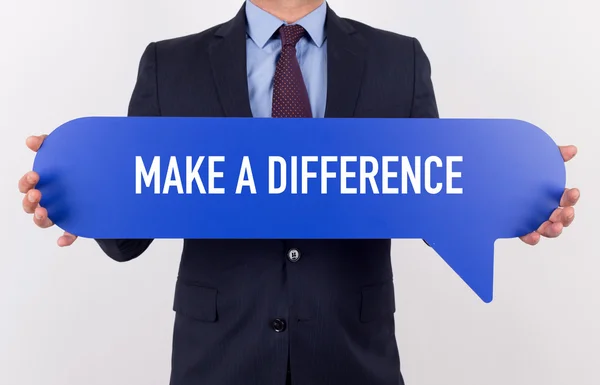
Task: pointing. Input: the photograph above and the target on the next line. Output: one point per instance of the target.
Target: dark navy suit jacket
(249, 311)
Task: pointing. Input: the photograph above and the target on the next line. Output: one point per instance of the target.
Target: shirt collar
(262, 25)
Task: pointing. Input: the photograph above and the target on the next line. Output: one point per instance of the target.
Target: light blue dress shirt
(263, 50)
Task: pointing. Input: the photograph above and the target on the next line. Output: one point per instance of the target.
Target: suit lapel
(228, 63)
(345, 63)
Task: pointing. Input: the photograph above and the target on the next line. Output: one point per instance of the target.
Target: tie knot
(291, 34)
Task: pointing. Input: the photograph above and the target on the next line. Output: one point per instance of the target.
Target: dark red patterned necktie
(290, 98)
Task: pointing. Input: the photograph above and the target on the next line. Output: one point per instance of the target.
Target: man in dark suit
(271, 312)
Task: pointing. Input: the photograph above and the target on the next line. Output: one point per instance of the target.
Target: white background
(73, 316)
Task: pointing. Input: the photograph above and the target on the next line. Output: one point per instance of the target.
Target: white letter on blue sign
(414, 175)
(246, 170)
(345, 174)
(428, 187)
(282, 167)
(325, 173)
(149, 176)
(173, 177)
(212, 175)
(386, 175)
(453, 174)
(193, 175)
(306, 175)
(370, 175)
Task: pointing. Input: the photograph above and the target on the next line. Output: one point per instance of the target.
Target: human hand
(32, 198)
(564, 215)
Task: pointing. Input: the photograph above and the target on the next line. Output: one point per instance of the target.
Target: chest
(382, 89)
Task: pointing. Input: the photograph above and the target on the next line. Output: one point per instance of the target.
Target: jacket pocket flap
(196, 301)
(377, 301)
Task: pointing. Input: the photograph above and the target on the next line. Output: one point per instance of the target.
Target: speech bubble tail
(473, 260)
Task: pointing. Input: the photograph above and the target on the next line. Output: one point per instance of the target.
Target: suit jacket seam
(156, 79)
(414, 91)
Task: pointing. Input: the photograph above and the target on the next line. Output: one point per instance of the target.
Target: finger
(566, 216)
(66, 239)
(35, 142)
(555, 216)
(568, 152)
(28, 181)
(31, 200)
(531, 238)
(551, 229)
(570, 197)
(40, 218)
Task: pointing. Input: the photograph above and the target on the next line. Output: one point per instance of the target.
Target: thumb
(67, 239)
(35, 142)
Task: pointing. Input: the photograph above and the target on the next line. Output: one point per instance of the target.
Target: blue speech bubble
(459, 184)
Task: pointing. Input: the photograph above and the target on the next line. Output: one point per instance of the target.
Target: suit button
(278, 325)
(293, 255)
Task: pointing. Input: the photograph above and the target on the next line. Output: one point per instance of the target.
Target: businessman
(275, 312)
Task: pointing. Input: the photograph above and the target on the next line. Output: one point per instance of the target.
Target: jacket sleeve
(143, 102)
(424, 101)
